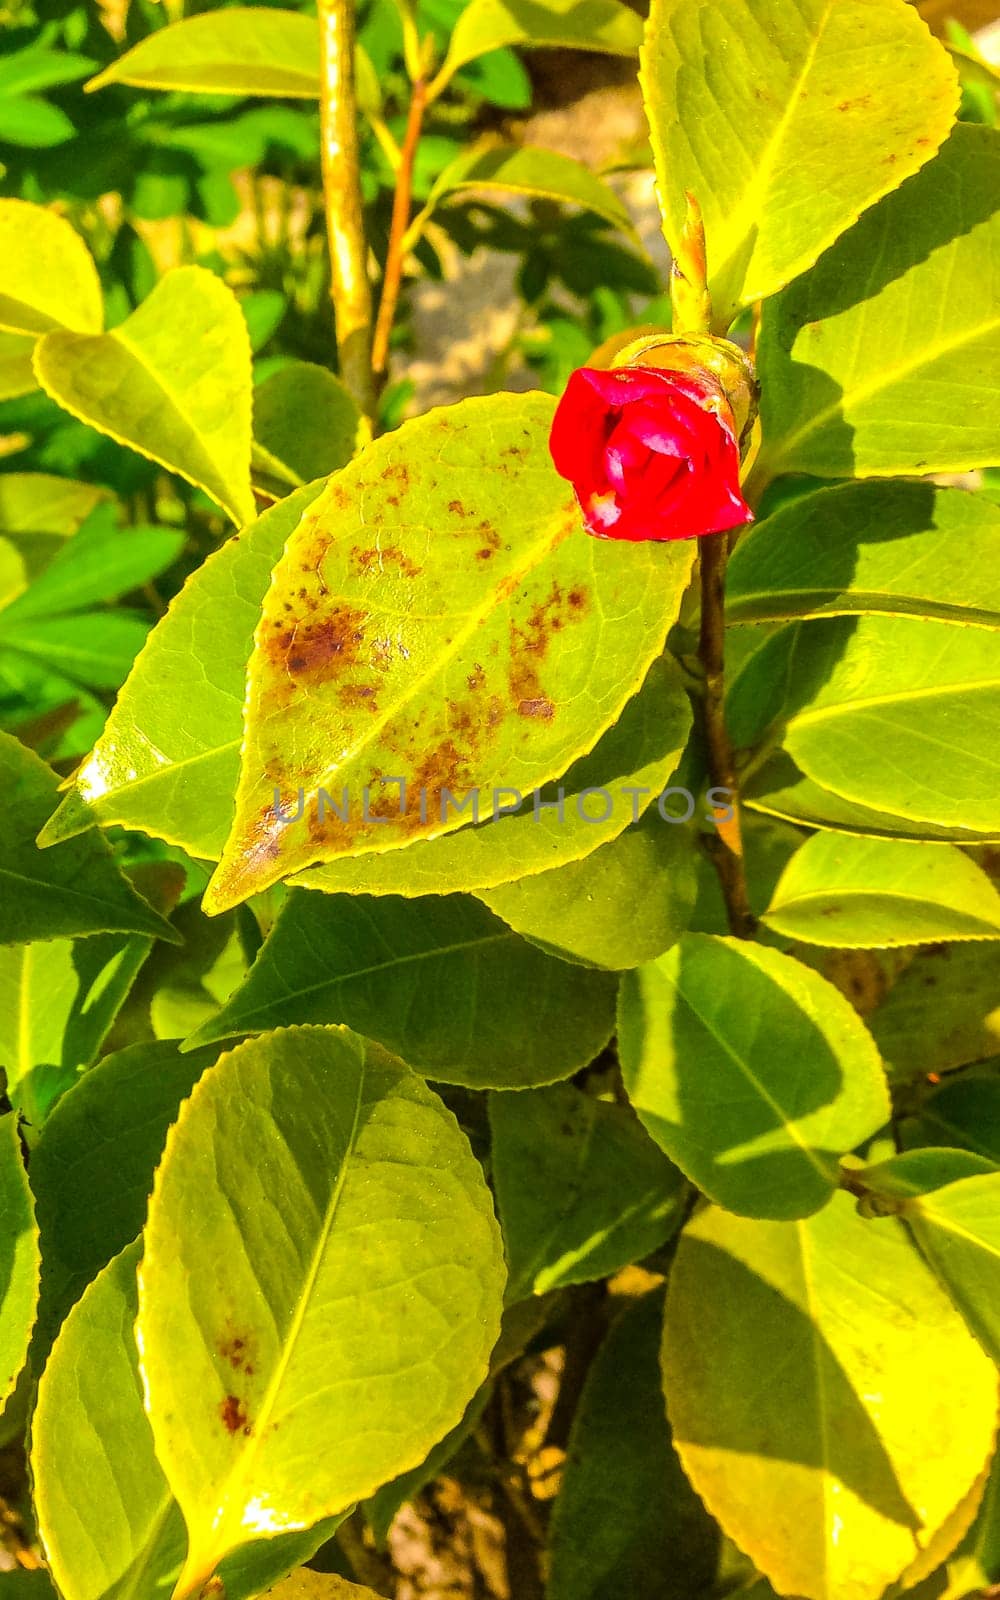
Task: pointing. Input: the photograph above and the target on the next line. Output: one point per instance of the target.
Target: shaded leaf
(172, 381)
(439, 980)
(250, 1354)
(875, 362)
(626, 1520)
(892, 713)
(76, 888)
(92, 1167)
(958, 1229)
(582, 1190)
(19, 1257)
(835, 1477)
(908, 548)
(759, 1129)
(17, 375)
(772, 123)
(943, 1012)
(780, 789)
(963, 1112)
(305, 424)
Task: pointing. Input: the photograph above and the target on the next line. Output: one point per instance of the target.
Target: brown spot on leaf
(377, 560)
(476, 678)
(330, 642)
(234, 1416)
(538, 707)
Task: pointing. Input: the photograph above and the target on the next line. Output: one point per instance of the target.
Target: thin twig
(349, 285)
(395, 254)
(725, 844)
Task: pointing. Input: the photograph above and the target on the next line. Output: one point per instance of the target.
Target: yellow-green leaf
(305, 424)
(17, 375)
(94, 1465)
(752, 1073)
(827, 1401)
(439, 618)
(528, 170)
(244, 50)
(19, 1257)
(606, 26)
(786, 125)
(908, 548)
(877, 362)
(47, 276)
(369, 1328)
(440, 980)
(878, 893)
(173, 381)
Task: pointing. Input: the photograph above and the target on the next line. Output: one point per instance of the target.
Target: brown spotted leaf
(441, 621)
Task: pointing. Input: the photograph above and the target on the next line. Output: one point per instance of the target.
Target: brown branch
(349, 286)
(395, 254)
(725, 844)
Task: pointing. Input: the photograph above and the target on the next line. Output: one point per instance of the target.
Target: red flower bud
(651, 453)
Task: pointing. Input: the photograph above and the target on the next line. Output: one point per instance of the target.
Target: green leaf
(38, 505)
(601, 793)
(305, 424)
(876, 362)
(779, 789)
(774, 124)
(28, 121)
(96, 649)
(17, 375)
(893, 548)
(958, 1229)
(441, 981)
(759, 1129)
(47, 277)
(901, 1178)
(168, 760)
(963, 1112)
(943, 1012)
(528, 170)
(38, 67)
(190, 985)
(99, 563)
(58, 1001)
(619, 907)
(19, 1257)
(250, 1354)
(975, 1565)
(626, 1520)
(355, 684)
(893, 713)
(94, 1465)
(244, 50)
(308, 1585)
(76, 888)
(172, 381)
(92, 1167)
(877, 893)
(582, 1191)
(828, 1404)
(603, 25)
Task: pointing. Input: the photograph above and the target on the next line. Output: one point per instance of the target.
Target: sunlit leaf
(773, 121)
(827, 1402)
(438, 617)
(882, 892)
(877, 362)
(19, 1257)
(251, 1353)
(47, 276)
(759, 1125)
(172, 381)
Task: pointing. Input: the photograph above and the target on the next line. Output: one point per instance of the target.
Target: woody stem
(725, 843)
